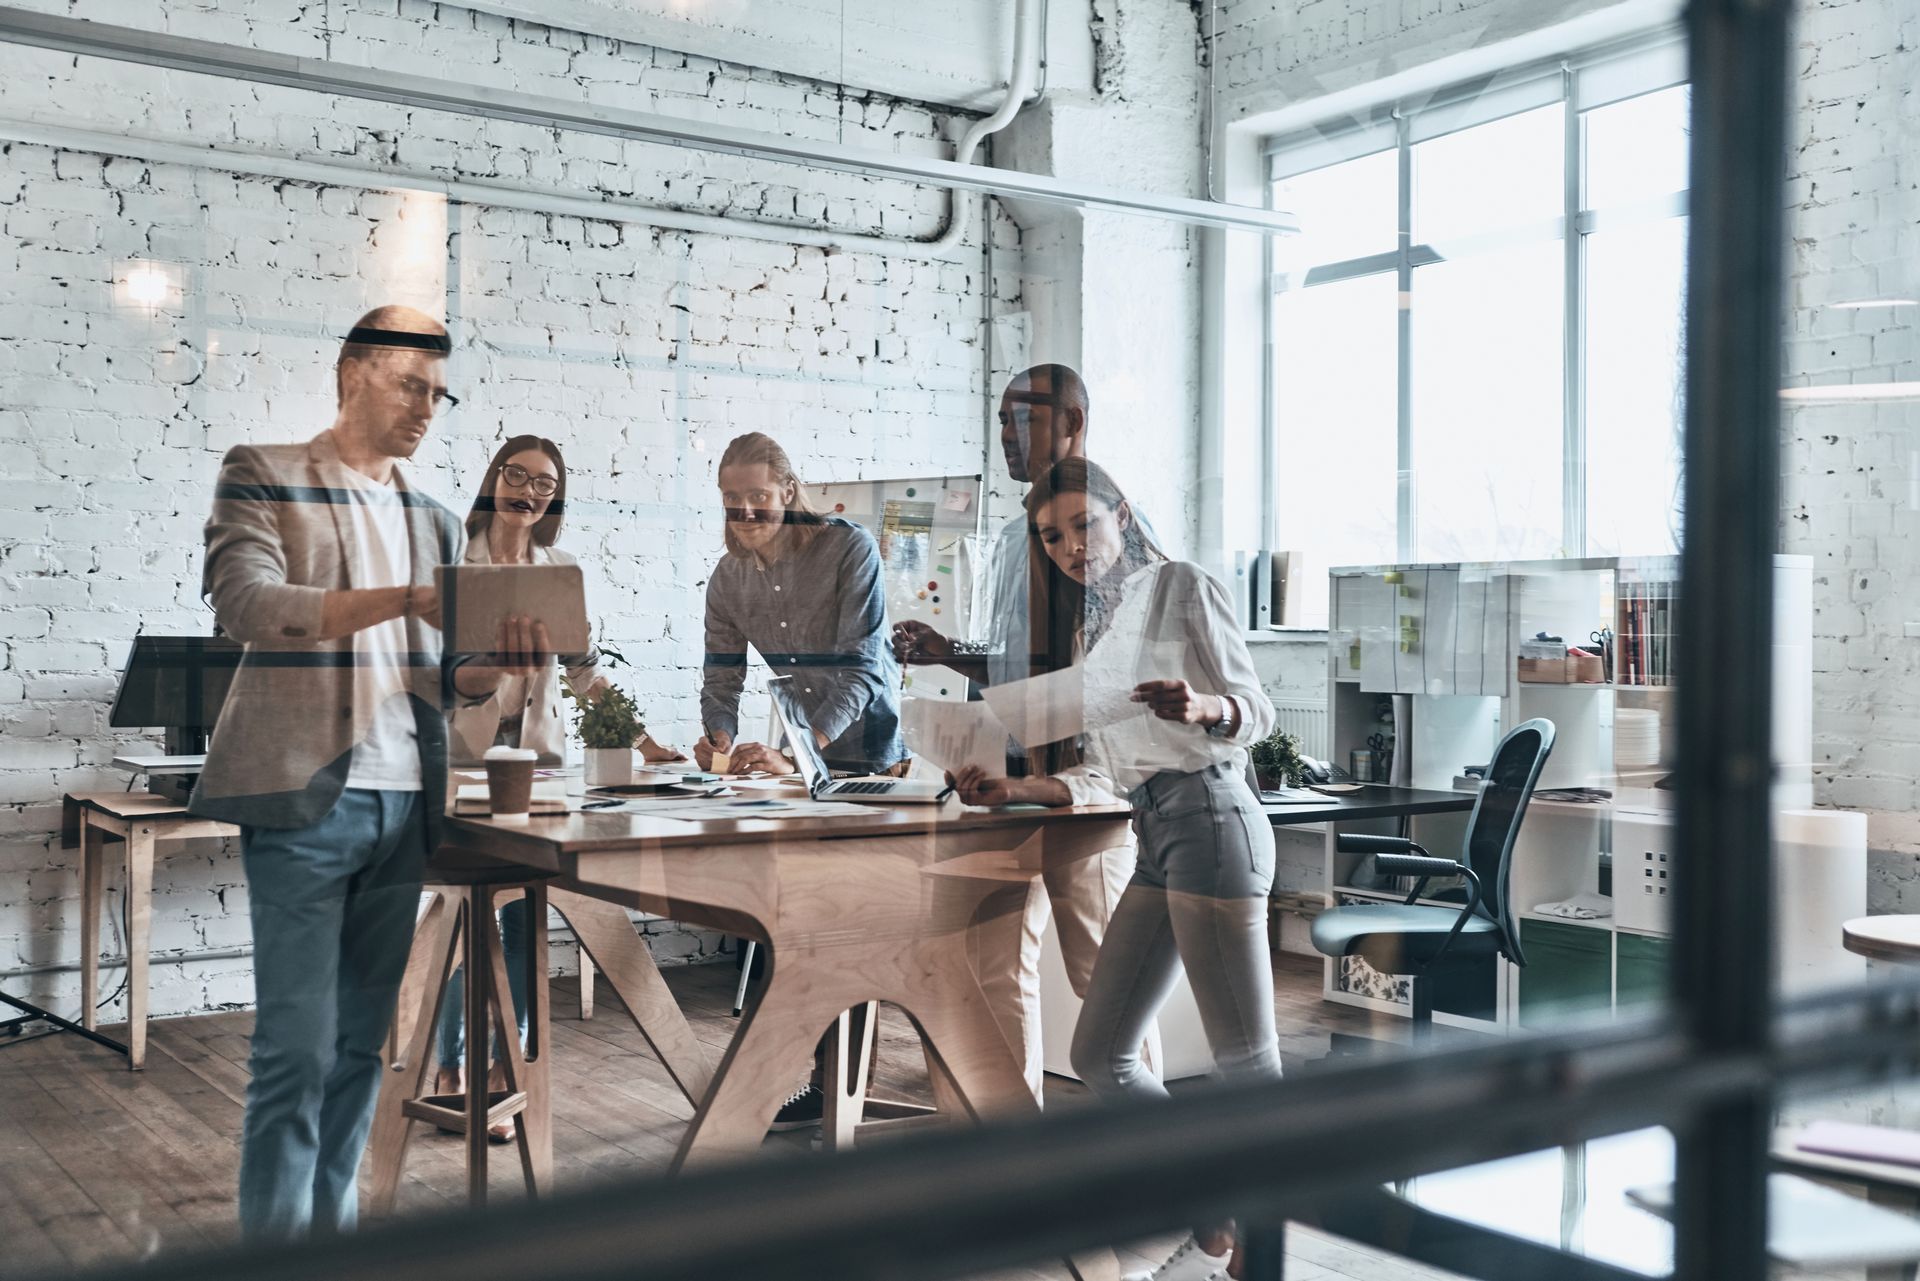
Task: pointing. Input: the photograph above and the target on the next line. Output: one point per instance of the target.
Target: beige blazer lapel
(330, 475)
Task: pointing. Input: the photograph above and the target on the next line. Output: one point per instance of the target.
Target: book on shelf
(1643, 641)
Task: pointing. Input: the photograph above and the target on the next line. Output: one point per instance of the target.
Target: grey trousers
(1198, 898)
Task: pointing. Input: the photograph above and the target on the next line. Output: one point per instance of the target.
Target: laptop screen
(793, 718)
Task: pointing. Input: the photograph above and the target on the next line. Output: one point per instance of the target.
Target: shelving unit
(1442, 643)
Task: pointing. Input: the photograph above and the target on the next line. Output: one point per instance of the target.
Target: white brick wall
(643, 351)
(1848, 496)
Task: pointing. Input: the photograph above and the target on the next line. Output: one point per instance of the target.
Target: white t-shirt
(386, 757)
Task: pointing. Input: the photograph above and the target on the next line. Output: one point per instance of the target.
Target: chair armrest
(1356, 844)
(1412, 864)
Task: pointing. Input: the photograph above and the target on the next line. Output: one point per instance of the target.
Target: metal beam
(204, 57)
(1723, 947)
(955, 1204)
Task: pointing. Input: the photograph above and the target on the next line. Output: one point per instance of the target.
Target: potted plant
(1276, 760)
(609, 726)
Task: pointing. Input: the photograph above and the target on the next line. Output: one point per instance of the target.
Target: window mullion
(1404, 521)
(1574, 330)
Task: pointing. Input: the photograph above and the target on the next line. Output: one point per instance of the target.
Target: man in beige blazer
(331, 751)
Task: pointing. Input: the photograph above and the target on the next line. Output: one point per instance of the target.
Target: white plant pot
(609, 766)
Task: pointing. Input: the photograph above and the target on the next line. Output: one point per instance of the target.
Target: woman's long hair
(757, 449)
(486, 502)
(1059, 618)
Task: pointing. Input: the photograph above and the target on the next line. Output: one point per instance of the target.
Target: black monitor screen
(175, 681)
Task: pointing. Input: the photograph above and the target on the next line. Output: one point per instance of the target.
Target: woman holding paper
(515, 520)
(1159, 639)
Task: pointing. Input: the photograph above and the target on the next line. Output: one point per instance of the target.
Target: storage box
(1642, 871)
(1545, 671)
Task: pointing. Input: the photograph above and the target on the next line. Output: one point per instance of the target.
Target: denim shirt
(818, 614)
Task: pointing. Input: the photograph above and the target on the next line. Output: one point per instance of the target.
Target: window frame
(1591, 78)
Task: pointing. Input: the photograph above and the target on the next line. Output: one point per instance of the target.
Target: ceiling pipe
(130, 44)
(1020, 86)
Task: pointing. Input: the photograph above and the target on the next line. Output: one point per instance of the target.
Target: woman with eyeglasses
(515, 521)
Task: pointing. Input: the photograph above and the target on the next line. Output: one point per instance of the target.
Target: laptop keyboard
(862, 789)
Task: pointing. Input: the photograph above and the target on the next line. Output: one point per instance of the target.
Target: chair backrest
(1495, 822)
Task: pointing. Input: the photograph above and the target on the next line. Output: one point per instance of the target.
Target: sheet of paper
(1065, 704)
(1042, 709)
(952, 735)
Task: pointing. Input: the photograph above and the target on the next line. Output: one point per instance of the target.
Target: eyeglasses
(519, 477)
(418, 389)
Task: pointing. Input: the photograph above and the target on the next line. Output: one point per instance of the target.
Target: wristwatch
(1229, 718)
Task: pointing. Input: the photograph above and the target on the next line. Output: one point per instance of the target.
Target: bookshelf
(1443, 657)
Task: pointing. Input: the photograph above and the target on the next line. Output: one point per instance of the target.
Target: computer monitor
(178, 683)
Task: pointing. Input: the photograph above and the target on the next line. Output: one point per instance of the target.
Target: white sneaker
(1188, 1263)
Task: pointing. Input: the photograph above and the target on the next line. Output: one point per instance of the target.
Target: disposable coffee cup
(509, 781)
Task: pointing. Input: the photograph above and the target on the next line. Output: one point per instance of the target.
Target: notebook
(549, 797)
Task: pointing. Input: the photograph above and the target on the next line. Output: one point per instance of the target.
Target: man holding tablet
(331, 751)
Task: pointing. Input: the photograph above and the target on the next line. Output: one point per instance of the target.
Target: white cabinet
(1433, 655)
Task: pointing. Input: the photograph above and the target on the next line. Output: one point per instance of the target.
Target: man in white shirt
(1043, 419)
(331, 752)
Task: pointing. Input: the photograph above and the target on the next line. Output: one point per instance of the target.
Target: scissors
(1604, 639)
(1378, 742)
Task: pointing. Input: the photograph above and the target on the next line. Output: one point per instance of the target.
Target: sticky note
(722, 762)
(958, 500)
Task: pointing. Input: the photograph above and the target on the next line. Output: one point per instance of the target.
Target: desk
(1377, 800)
(853, 909)
(139, 821)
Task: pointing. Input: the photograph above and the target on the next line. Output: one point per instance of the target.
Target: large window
(1476, 336)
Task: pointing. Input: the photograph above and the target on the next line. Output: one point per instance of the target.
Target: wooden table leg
(429, 968)
(527, 1071)
(586, 985)
(139, 845)
(772, 1050)
(848, 1066)
(609, 939)
(91, 892)
(482, 937)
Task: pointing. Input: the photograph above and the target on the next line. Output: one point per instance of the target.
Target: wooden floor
(98, 1164)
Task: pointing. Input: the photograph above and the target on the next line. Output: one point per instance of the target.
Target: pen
(945, 792)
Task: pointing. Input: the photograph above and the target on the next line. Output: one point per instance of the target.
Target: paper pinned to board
(952, 735)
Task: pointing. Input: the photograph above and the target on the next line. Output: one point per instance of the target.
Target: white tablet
(476, 599)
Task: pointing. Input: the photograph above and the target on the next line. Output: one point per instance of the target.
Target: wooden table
(853, 909)
(1375, 800)
(1884, 938)
(139, 821)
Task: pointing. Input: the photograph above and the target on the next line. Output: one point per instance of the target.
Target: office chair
(1419, 939)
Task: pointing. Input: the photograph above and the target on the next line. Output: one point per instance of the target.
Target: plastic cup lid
(510, 754)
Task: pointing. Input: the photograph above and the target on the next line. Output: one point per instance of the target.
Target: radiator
(1306, 722)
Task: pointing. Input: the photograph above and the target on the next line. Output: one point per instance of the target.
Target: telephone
(1313, 771)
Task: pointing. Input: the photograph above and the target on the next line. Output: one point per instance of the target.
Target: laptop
(821, 785)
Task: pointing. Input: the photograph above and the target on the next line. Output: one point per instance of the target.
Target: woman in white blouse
(1158, 637)
(515, 520)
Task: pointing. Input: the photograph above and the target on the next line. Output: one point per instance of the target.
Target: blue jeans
(1198, 900)
(453, 1010)
(333, 908)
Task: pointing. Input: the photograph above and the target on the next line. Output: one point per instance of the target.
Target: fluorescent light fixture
(1842, 393)
(1863, 303)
